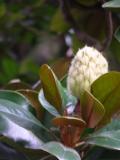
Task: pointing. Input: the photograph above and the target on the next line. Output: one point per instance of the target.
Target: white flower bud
(87, 65)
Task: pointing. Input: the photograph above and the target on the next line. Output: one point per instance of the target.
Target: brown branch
(82, 36)
(109, 30)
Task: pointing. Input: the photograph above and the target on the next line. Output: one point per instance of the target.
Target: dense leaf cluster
(33, 122)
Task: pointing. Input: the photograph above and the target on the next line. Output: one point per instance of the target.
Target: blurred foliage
(36, 31)
(25, 38)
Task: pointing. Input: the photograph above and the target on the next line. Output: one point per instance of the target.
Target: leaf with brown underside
(66, 120)
(32, 96)
(16, 84)
(71, 129)
(92, 110)
(50, 87)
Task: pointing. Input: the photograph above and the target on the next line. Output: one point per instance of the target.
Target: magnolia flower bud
(87, 65)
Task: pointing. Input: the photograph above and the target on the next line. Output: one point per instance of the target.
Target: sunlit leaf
(107, 90)
(22, 136)
(60, 151)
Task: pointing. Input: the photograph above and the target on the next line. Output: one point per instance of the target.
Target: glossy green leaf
(117, 34)
(15, 113)
(54, 89)
(107, 90)
(21, 136)
(50, 87)
(92, 110)
(51, 109)
(66, 120)
(108, 137)
(17, 98)
(60, 151)
(112, 4)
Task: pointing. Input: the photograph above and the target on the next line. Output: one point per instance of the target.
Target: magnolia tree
(73, 111)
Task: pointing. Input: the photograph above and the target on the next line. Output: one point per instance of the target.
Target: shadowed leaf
(92, 110)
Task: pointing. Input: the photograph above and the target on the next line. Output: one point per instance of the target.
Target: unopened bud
(87, 65)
